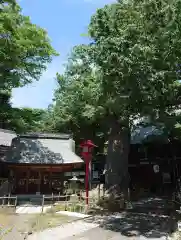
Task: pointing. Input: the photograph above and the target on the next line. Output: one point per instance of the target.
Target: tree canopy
(21, 120)
(136, 47)
(25, 51)
(75, 108)
(135, 63)
(25, 48)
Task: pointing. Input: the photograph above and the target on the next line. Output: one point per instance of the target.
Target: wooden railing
(8, 201)
(69, 204)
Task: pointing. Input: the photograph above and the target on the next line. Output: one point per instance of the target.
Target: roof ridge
(46, 135)
(7, 131)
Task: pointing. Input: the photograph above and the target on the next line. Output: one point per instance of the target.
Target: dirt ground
(14, 227)
(19, 226)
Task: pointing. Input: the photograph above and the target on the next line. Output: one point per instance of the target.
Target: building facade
(37, 162)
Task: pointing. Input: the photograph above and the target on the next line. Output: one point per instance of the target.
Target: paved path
(85, 231)
(64, 231)
(109, 227)
(97, 234)
(100, 234)
(27, 209)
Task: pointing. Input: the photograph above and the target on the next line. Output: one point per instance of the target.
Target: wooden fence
(67, 202)
(8, 201)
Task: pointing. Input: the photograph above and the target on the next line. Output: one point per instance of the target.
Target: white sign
(156, 168)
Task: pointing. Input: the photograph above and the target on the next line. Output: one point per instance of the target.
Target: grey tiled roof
(46, 135)
(41, 150)
(6, 137)
(142, 133)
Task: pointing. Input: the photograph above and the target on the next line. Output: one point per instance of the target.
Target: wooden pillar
(15, 182)
(27, 179)
(39, 182)
(11, 180)
(50, 180)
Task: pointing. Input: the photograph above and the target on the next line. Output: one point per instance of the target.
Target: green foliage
(25, 48)
(25, 51)
(5, 108)
(136, 47)
(76, 101)
(131, 69)
(20, 120)
(26, 120)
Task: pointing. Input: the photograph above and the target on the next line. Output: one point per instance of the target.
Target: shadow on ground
(151, 218)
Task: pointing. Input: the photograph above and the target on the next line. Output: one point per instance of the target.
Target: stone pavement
(122, 227)
(64, 231)
(97, 234)
(101, 234)
(80, 230)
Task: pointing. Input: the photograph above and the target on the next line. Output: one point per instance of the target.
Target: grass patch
(56, 208)
(48, 220)
(75, 207)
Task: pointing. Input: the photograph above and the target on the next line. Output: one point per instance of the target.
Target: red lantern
(87, 147)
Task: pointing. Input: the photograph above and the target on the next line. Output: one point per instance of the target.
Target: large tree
(136, 47)
(25, 48)
(76, 100)
(131, 69)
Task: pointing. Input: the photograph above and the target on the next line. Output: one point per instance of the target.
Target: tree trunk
(117, 160)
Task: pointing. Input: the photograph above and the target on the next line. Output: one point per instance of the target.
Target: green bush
(111, 204)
